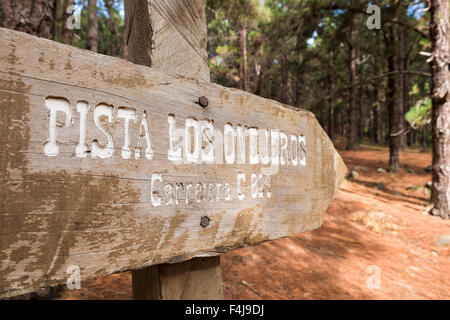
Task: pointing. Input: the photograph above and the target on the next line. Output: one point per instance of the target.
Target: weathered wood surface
(155, 27)
(138, 32)
(98, 213)
(198, 278)
(195, 279)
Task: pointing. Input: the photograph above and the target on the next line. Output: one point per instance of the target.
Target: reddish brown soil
(334, 262)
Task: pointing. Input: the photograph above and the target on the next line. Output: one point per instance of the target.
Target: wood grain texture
(138, 32)
(195, 279)
(177, 29)
(198, 278)
(96, 213)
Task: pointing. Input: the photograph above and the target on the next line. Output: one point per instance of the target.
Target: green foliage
(110, 28)
(80, 39)
(300, 45)
(419, 115)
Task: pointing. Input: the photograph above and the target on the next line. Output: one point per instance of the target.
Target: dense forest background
(321, 56)
(364, 84)
(365, 71)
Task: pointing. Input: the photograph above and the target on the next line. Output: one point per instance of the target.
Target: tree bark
(405, 98)
(376, 134)
(67, 34)
(378, 106)
(259, 72)
(393, 105)
(283, 96)
(35, 17)
(244, 56)
(341, 123)
(93, 26)
(361, 113)
(440, 85)
(400, 46)
(331, 107)
(113, 27)
(351, 133)
(414, 138)
(62, 32)
(259, 81)
(423, 140)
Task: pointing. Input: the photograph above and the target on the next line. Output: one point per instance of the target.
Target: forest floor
(377, 228)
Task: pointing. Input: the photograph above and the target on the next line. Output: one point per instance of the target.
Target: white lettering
(146, 135)
(175, 155)
(283, 146)
(275, 146)
(241, 145)
(154, 195)
(192, 142)
(229, 144)
(240, 177)
(51, 148)
(82, 148)
(253, 157)
(302, 150)
(108, 151)
(208, 155)
(127, 114)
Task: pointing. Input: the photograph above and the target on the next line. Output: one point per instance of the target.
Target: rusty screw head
(203, 101)
(204, 221)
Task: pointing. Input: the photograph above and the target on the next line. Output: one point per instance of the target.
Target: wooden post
(196, 279)
(171, 36)
(168, 35)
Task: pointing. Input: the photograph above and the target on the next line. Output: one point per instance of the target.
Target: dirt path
(376, 226)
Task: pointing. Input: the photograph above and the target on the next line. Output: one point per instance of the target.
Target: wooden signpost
(111, 166)
(170, 36)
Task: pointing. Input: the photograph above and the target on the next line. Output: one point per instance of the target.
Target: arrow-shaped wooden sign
(107, 166)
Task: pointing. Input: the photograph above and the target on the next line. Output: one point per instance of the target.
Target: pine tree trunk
(351, 133)
(259, 72)
(414, 138)
(113, 27)
(283, 97)
(67, 33)
(63, 33)
(331, 108)
(440, 39)
(361, 114)
(423, 140)
(393, 105)
(384, 119)
(259, 79)
(93, 26)
(244, 56)
(299, 87)
(378, 113)
(405, 89)
(376, 117)
(35, 17)
(402, 85)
